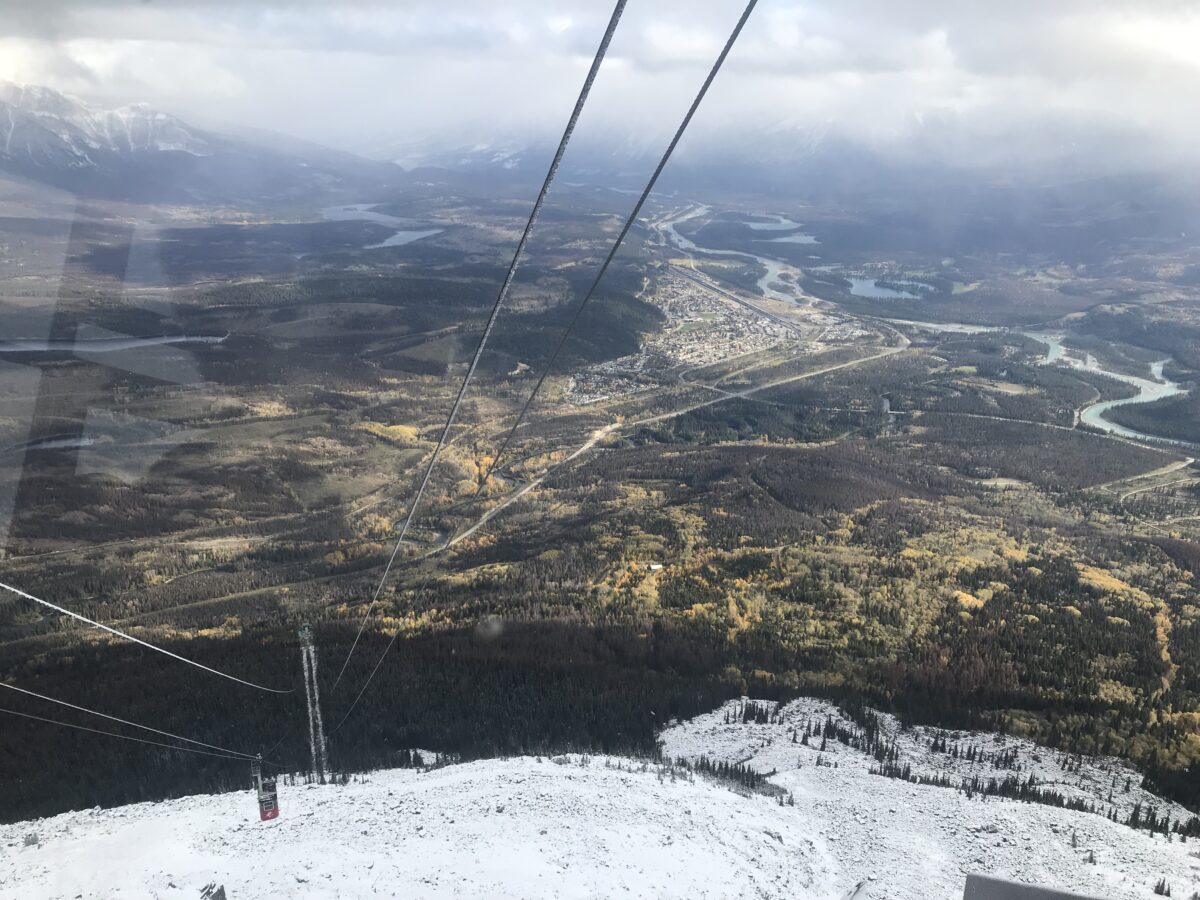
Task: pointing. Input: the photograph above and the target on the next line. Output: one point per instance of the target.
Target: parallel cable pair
(629, 222)
(124, 737)
(487, 330)
(211, 749)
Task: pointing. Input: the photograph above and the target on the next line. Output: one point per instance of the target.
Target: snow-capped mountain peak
(45, 128)
(136, 153)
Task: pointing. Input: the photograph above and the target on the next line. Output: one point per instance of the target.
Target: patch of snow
(497, 829)
(920, 841)
(53, 122)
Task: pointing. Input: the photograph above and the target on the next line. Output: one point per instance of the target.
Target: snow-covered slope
(501, 828)
(603, 827)
(135, 152)
(920, 841)
(45, 127)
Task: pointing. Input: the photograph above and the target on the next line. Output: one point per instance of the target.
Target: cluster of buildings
(702, 328)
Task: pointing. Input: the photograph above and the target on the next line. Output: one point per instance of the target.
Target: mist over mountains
(918, 198)
(137, 153)
(1018, 198)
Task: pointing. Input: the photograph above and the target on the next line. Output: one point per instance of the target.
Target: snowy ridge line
(520, 828)
(234, 754)
(921, 840)
(146, 644)
(585, 827)
(84, 129)
(981, 754)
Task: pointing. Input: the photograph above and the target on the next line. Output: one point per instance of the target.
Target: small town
(703, 327)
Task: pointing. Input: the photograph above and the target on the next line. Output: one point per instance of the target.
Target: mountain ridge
(136, 153)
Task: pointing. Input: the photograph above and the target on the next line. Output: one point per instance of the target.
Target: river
(1157, 387)
(782, 223)
(53, 443)
(1147, 390)
(1093, 415)
(775, 268)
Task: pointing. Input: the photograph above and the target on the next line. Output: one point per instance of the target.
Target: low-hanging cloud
(362, 74)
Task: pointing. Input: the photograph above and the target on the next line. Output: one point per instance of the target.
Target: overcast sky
(362, 75)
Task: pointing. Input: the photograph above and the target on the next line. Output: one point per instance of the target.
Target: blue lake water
(365, 212)
(869, 287)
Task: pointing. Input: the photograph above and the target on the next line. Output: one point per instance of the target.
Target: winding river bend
(1092, 415)
(1147, 390)
(774, 267)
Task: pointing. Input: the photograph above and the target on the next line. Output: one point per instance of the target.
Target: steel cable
(146, 644)
(124, 737)
(566, 334)
(92, 712)
(504, 288)
(617, 244)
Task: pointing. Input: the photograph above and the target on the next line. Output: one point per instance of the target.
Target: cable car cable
(382, 656)
(130, 637)
(387, 649)
(124, 737)
(612, 253)
(92, 712)
(487, 330)
(629, 222)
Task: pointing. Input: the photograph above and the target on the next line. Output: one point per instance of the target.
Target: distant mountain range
(942, 154)
(137, 153)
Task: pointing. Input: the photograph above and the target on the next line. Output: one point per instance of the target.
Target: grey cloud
(359, 73)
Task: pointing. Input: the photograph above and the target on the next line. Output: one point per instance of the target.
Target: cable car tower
(316, 726)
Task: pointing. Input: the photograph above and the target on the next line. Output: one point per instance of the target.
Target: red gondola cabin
(268, 800)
